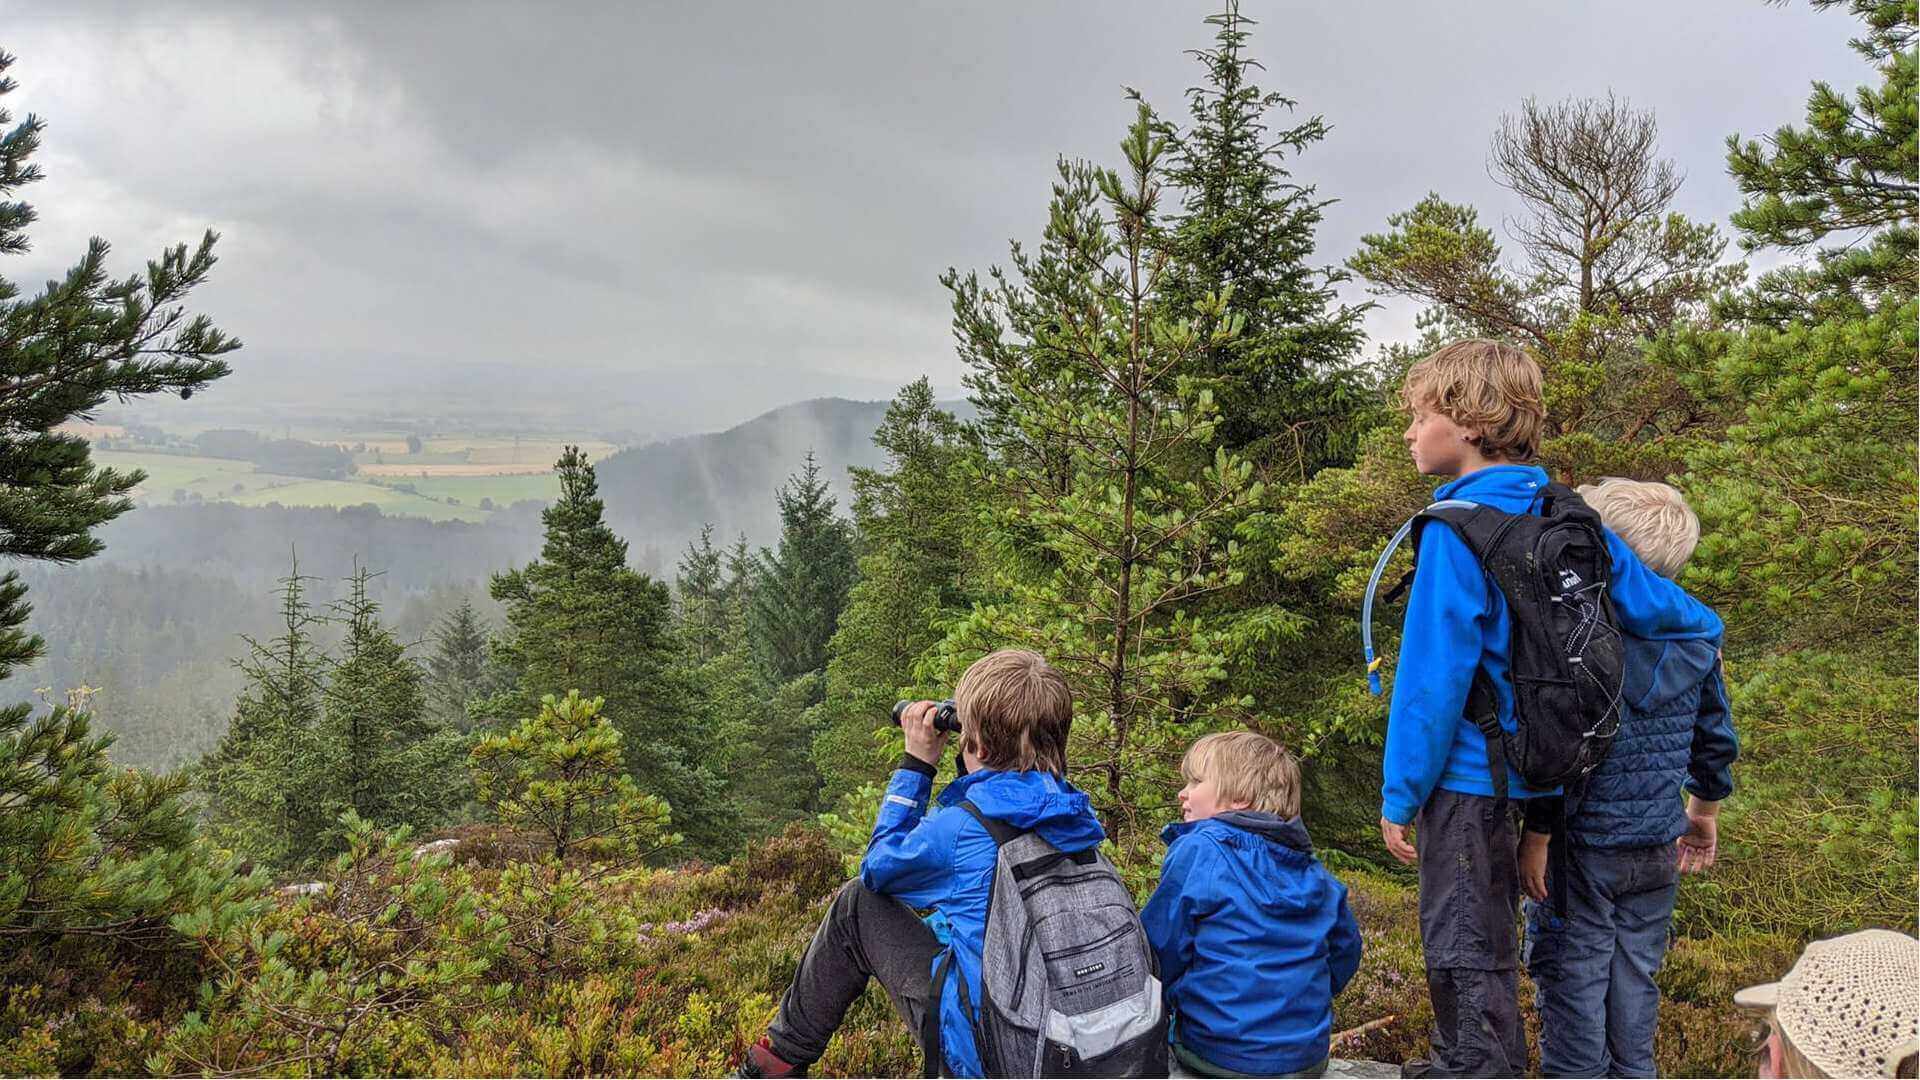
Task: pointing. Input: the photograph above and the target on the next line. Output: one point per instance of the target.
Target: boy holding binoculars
(1013, 712)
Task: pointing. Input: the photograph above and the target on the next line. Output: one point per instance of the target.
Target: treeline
(1180, 470)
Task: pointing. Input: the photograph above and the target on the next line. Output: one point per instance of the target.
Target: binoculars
(945, 717)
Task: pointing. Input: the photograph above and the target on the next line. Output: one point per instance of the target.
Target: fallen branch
(1354, 1032)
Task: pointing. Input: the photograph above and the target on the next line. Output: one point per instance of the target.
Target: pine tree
(84, 339)
(1848, 171)
(1606, 264)
(457, 671)
(579, 618)
(561, 773)
(93, 854)
(389, 761)
(1103, 532)
(802, 585)
(1289, 394)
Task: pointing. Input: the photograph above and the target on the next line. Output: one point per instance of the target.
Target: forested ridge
(582, 821)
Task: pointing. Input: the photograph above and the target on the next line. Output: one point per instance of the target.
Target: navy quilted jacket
(1675, 732)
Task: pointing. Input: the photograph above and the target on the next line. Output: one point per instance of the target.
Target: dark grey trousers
(1469, 892)
(864, 935)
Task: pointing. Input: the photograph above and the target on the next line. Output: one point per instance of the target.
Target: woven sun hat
(1850, 1004)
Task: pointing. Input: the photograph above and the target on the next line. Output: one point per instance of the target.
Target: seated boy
(1253, 935)
(1015, 712)
(1478, 417)
(1593, 961)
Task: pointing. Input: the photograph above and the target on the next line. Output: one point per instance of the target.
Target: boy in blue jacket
(1015, 712)
(1253, 935)
(1477, 416)
(1627, 832)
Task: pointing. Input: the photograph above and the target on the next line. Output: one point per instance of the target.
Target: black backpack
(1567, 663)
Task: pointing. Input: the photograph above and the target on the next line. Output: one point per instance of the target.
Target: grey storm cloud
(638, 187)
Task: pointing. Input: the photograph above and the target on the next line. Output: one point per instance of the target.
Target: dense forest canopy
(1176, 464)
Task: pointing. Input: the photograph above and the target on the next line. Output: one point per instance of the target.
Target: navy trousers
(1593, 967)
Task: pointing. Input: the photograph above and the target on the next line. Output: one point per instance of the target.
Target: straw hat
(1851, 1004)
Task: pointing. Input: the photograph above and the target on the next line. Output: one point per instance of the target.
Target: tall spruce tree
(802, 584)
(391, 761)
(914, 518)
(700, 593)
(82, 340)
(1289, 393)
(262, 783)
(1104, 532)
(457, 670)
(579, 618)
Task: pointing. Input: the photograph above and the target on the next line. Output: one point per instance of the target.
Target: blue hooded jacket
(945, 860)
(1457, 621)
(1254, 940)
(1675, 731)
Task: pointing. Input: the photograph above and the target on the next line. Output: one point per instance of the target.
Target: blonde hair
(1246, 767)
(1653, 518)
(1486, 387)
(1016, 711)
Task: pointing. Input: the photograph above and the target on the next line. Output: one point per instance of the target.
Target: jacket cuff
(914, 764)
(1543, 814)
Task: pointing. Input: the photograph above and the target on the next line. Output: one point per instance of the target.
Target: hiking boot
(761, 1063)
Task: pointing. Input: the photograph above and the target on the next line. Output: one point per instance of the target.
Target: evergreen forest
(564, 808)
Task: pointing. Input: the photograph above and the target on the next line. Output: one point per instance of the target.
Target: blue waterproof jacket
(1254, 940)
(945, 859)
(1457, 621)
(1675, 731)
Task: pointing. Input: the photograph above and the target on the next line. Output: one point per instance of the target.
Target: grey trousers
(864, 935)
(1469, 892)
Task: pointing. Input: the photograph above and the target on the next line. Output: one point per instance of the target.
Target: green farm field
(438, 497)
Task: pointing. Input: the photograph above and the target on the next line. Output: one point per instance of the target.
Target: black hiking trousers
(864, 936)
(1469, 897)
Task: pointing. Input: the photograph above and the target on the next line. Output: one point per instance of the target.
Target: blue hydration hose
(1373, 584)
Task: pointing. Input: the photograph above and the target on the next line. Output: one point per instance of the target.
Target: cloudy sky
(774, 187)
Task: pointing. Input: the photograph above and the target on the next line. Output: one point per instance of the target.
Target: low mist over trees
(1172, 475)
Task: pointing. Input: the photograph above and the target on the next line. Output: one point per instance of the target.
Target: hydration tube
(1373, 584)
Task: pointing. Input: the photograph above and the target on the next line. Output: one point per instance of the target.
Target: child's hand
(1399, 842)
(1533, 865)
(1701, 842)
(923, 740)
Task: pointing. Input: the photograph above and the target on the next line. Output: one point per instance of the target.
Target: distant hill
(660, 495)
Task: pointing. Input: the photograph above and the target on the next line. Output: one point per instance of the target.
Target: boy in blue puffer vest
(1015, 712)
(1253, 935)
(1627, 834)
(1478, 417)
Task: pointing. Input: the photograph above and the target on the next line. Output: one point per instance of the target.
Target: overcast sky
(646, 186)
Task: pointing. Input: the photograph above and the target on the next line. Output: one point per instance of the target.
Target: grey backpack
(1069, 985)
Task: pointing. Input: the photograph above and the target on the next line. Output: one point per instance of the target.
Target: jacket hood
(1061, 813)
(1519, 481)
(1660, 672)
(1287, 832)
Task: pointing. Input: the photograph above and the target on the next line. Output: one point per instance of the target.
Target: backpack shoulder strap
(1002, 833)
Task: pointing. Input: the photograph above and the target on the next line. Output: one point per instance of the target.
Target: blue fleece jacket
(1457, 621)
(1254, 940)
(945, 859)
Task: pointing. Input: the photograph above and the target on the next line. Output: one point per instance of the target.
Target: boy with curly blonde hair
(1477, 418)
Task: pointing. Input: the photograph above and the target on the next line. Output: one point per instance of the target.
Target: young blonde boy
(1253, 934)
(1478, 417)
(1627, 833)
